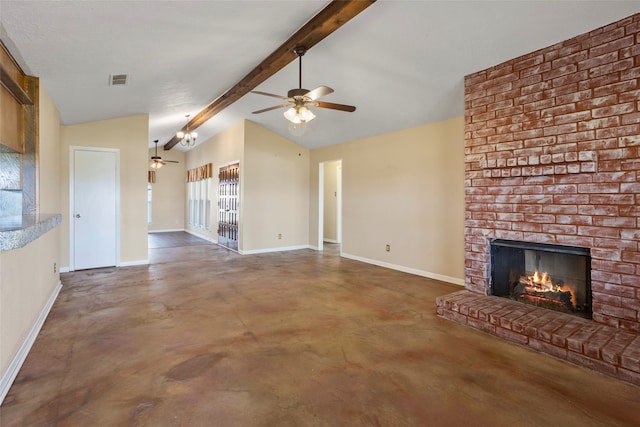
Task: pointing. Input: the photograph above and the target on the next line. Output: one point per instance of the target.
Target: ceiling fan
(300, 99)
(156, 161)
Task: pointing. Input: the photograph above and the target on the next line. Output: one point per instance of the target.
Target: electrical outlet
(55, 267)
(279, 236)
(388, 248)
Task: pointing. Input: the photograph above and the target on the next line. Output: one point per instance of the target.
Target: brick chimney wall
(552, 155)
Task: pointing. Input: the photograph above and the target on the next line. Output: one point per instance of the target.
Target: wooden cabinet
(13, 100)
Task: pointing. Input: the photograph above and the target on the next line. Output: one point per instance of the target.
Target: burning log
(560, 300)
(540, 291)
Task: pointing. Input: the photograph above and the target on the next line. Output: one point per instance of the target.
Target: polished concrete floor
(206, 337)
(172, 239)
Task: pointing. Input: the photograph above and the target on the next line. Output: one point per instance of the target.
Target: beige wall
(405, 189)
(27, 282)
(222, 149)
(130, 135)
(273, 185)
(168, 193)
(330, 218)
(27, 276)
(48, 156)
(275, 192)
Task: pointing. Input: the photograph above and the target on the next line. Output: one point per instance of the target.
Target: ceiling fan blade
(318, 92)
(273, 95)
(332, 106)
(270, 108)
(170, 161)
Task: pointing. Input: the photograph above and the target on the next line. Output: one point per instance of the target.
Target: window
(199, 203)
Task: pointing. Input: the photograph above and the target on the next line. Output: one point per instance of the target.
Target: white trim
(14, 367)
(131, 263)
(72, 150)
(404, 269)
(282, 249)
(321, 206)
(167, 231)
(339, 206)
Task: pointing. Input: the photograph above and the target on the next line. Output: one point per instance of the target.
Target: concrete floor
(206, 337)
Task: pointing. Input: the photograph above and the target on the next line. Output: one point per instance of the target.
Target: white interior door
(94, 208)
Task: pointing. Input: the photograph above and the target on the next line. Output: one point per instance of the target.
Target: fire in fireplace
(551, 276)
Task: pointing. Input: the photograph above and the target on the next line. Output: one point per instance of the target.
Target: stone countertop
(19, 231)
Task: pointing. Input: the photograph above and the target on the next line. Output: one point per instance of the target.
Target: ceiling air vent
(117, 79)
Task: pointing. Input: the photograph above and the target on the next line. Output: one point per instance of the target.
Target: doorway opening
(330, 203)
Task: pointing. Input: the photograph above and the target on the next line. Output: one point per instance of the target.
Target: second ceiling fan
(298, 100)
(156, 161)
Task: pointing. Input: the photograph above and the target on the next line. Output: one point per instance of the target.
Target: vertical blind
(199, 183)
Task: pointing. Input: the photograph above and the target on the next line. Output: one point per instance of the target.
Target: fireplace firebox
(550, 276)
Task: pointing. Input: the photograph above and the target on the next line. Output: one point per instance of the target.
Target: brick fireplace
(552, 156)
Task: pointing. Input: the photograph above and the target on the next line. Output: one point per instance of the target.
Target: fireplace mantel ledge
(19, 231)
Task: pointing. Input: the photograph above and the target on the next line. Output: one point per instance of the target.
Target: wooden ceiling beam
(333, 16)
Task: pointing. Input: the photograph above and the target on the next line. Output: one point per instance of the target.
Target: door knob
(77, 215)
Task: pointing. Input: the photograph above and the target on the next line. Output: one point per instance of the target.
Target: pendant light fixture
(187, 139)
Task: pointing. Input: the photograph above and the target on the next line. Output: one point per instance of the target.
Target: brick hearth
(552, 156)
(611, 351)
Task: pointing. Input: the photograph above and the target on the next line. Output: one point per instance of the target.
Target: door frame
(320, 236)
(72, 151)
(321, 173)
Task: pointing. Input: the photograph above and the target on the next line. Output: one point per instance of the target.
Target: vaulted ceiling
(402, 63)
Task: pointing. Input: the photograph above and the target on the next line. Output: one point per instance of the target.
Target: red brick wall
(552, 155)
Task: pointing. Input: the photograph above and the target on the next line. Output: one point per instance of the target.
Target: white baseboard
(171, 230)
(14, 367)
(121, 264)
(267, 250)
(330, 240)
(452, 280)
(130, 263)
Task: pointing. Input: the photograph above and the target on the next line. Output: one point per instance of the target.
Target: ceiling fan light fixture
(156, 161)
(299, 114)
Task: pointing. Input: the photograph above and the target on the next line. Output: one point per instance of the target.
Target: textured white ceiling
(402, 63)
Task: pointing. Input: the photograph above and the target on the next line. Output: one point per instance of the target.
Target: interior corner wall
(275, 186)
(404, 189)
(221, 149)
(168, 192)
(130, 135)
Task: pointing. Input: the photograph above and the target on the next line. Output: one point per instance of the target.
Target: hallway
(206, 337)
